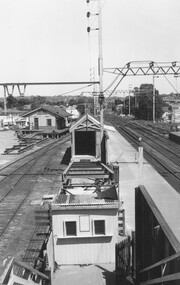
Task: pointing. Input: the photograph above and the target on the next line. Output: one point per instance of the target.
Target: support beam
(49, 83)
(140, 68)
(21, 90)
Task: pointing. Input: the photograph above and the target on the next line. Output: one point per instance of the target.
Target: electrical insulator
(101, 98)
(88, 14)
(87, 1)
(88, 29)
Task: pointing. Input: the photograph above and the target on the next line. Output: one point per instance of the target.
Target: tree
(37, 101)
(81, 105)
(144, 102)
(72, 102)
(21, 102)
(11, 102)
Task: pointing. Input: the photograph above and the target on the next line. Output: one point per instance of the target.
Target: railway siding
(160, 152)
(21, 192)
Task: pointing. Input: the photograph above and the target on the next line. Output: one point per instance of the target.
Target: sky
(47, 41)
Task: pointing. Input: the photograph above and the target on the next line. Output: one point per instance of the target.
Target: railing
(29, 275)
(166, 275)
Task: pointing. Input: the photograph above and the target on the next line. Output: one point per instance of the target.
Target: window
(49, 122)
(99, 227)
(70, 228)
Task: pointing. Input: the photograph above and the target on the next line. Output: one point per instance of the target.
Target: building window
(49, 122)
(99, 227)
(70, 228)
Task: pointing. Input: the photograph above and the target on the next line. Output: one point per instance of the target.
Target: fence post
(133, 244)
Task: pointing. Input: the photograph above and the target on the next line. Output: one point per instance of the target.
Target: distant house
(9, 117)
(72, 110)
(47, 117)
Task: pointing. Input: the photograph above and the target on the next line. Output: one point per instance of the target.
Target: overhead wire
(71, 91)
(167, 79)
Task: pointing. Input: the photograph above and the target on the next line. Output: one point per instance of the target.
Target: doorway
(85, 143)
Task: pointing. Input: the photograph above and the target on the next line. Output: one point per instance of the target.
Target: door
(36, 123)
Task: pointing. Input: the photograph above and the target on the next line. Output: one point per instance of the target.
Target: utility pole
(100, 68)
(154, 99)
(130, 87)
(154, 119)
(5, 101)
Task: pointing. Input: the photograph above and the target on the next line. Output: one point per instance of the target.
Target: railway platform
(130, 174)
(133, 174)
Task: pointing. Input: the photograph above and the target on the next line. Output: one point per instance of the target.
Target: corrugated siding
(86, 248)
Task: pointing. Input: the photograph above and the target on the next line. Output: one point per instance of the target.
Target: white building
(85, 229)
(73, 111)
(47, 117)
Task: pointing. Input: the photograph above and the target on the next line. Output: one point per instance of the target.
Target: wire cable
(71, 91)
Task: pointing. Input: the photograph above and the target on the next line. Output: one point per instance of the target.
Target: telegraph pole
(130, 87)
(100, 67)
(154, 99)
(154, 117)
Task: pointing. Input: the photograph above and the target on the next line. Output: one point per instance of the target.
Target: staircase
(87, 169)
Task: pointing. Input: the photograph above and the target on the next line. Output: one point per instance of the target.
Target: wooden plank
(26, 266)
(165, 227)
(163, 261)
(171, 277)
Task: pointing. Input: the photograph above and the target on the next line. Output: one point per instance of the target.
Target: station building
(47, 118)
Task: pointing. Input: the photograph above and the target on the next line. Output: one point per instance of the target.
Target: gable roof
(86, 122)
(56, 111)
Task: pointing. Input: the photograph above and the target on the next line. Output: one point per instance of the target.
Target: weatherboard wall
(86, 247)
(42, 118)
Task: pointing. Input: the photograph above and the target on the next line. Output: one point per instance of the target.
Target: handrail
(165, 278)
(31, 269)
(161, 262)
(170, 277)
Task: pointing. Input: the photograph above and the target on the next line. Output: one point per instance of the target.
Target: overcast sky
(47, 40)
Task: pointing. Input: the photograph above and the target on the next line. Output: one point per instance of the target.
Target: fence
(126, 258)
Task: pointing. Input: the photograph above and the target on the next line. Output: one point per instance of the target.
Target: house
(9, 117)
(88, 151)
(86, 138)
(73, 111)
(85, 229)
(47, 118)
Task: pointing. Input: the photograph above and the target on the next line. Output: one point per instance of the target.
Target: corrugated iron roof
(80, 200)
(57, 111)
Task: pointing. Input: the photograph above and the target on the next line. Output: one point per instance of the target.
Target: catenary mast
(100, 67)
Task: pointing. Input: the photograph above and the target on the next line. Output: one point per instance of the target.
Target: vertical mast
(100, 67)
(5, 101)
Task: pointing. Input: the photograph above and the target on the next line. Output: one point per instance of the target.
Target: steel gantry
(9, 87)
(140, 68)
(143, 68)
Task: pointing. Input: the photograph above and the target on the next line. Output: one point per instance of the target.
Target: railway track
(162, 154)
(18, 181)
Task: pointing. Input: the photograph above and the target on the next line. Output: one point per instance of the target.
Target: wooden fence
(125, 258)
